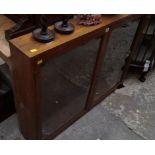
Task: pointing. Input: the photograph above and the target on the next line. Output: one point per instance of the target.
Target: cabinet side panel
(24, 86)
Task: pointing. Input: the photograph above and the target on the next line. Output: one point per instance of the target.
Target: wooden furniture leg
(135, 45)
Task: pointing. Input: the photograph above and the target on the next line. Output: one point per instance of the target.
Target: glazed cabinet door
(65, 83)
(114, 60)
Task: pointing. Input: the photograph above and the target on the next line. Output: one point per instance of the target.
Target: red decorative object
(89, 19)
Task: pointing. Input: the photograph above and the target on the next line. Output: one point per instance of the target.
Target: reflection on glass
(118, 48)
(65, 85)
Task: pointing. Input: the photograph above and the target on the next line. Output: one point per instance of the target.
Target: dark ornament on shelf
(43, 34)
(64, 27)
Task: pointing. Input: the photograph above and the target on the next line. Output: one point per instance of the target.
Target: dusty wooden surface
(31, 48)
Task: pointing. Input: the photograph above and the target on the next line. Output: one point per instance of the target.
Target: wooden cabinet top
(31, 48)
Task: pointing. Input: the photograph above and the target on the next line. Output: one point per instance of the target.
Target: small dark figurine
(64, 27)
(43, 34)
(89, 19)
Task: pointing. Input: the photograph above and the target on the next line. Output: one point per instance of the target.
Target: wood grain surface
(31, 48)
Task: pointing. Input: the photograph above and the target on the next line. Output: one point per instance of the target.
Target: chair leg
(143, 77)
(121, 85)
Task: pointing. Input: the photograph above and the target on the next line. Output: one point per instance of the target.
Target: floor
(128, 113)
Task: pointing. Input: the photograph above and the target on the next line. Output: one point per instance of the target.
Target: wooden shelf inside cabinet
(54, 74)
(5, 23)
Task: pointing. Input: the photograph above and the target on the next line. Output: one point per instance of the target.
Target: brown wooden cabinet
(57, 82)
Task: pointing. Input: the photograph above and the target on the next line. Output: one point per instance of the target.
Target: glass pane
(117, 50)
(65, 85)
